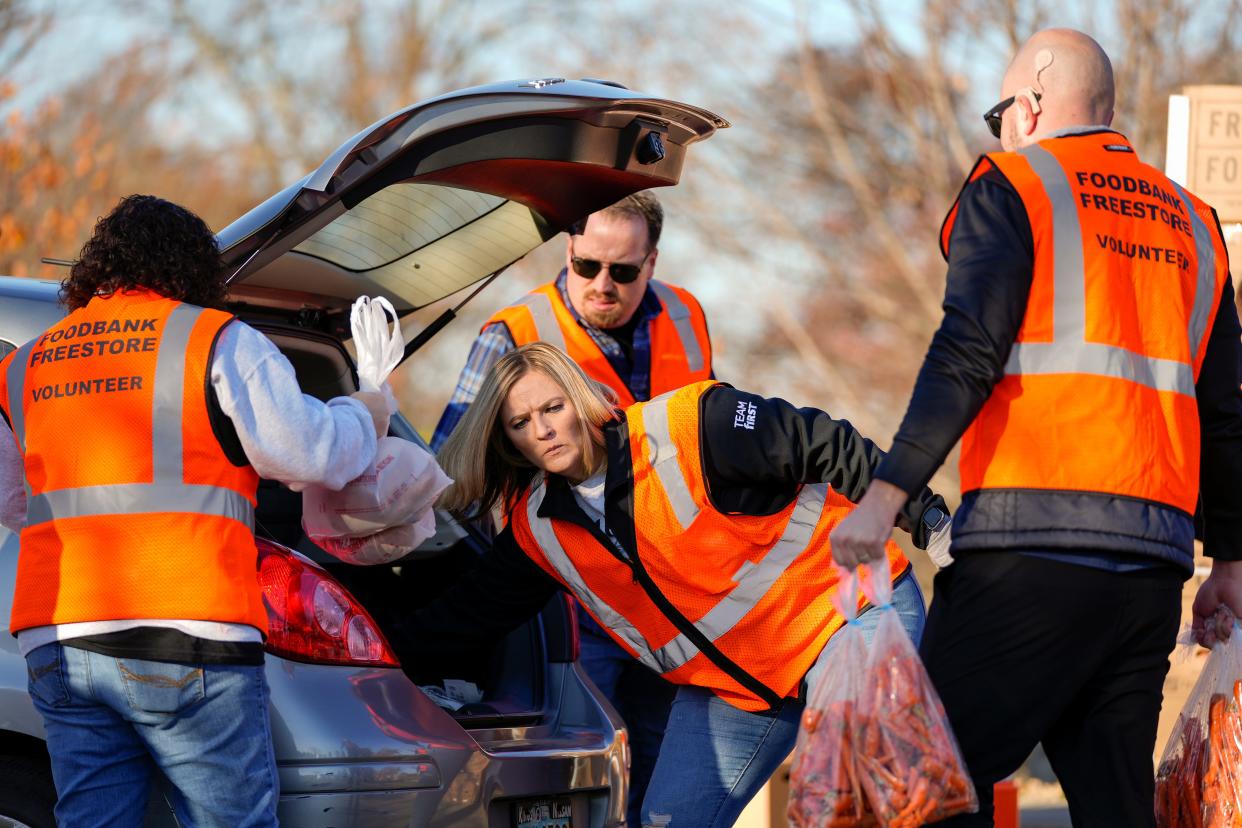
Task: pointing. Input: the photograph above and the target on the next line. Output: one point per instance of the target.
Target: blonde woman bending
(694, 528)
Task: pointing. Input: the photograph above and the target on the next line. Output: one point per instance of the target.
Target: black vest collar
(559, 503)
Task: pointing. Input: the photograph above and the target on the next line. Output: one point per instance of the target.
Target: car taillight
(310, 617)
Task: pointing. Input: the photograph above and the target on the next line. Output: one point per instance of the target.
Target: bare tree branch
(821, 110)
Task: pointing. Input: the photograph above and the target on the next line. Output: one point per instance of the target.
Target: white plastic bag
(387, 510)
(383, 513)
(382, 547)
(379, 347)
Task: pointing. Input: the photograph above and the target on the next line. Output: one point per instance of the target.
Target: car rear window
(425, 241)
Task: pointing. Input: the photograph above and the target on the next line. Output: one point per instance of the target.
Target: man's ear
(1028, 94)
(1028, 110)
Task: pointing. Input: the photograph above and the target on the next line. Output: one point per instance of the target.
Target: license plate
(549, 812)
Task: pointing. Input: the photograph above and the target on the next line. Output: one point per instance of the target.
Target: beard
(603, 319)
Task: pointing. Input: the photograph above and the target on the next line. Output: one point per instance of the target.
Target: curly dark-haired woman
(136, 604)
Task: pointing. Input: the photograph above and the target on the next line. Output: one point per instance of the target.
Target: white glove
(938, 547)
(379, 347)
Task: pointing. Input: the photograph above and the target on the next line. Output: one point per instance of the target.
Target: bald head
(1073, 77)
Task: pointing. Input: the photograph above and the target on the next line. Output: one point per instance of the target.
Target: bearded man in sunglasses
(638, 336)
(1089, 361)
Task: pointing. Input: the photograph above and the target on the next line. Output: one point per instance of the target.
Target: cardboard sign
(1205, 146)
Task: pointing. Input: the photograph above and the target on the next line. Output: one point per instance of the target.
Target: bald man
(1088, 359)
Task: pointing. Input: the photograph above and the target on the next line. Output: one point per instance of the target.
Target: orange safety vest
(681, 352)
(1098, 394)
(133, 509)
(738, 604)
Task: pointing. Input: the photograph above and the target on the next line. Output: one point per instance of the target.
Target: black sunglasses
(993, 116)
(622, 274)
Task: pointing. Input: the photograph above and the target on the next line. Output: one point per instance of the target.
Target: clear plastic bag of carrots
(909, 761)
(875, 748)
(824, 787)
(1199, 780)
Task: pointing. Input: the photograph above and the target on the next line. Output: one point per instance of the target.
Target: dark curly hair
(148, 243)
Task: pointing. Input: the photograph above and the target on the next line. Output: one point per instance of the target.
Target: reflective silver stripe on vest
(662, 454)
(545, 536)
(17, 386)
(1069, 310)
(546, 326)
(1205, 290)
(680, 316)
(1102, 360)
(1069, 352)
(168, 491)
(754, 580)
(138, 499)
(166, 414)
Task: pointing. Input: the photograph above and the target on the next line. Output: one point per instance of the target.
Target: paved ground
(1045, 818)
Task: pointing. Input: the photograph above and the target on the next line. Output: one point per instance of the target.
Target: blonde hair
(486, 467)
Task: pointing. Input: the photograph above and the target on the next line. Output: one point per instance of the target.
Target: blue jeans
(641, 697)
(716, 757)
(111, 721)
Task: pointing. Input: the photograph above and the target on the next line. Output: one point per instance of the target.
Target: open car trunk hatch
(445, 193)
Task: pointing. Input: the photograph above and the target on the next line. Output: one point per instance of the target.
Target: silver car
(427, 202)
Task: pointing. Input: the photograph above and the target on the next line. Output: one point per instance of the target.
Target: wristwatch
(935, 519)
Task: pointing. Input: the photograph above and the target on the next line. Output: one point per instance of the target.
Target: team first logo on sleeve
(744, 417)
